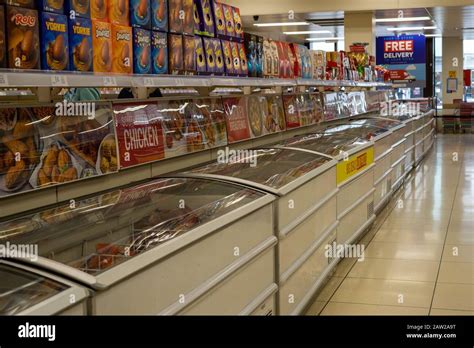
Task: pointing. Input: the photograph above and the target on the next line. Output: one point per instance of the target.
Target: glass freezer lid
(273, 168)
(329, 144)
(360, 130)
(20, 289)
(105, 230)
(378, 122)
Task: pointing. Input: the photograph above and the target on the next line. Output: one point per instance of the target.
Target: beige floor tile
(404, 251)
(344, 267)
(454, 296)
(385, 292)
(337, 308)
(316, 308)
(436, 311)
(409, 236)
(456, 272)
(423, 271)
(458, 253)
(460, 237)
(415, 224)
(329, 289)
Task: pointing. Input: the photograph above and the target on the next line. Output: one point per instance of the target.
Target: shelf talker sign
(354, 164)
(405, 57)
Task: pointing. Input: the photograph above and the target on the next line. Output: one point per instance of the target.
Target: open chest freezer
(305, 213)
(28, 291)
(167, 246)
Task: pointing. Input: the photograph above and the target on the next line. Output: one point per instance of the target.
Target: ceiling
(456, 21)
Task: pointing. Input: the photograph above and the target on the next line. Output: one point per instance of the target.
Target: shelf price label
(59, 81)
(149, 82)
(3, 80)
(110, 81)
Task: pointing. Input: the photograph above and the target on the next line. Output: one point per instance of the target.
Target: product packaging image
(318, 62)
(234, 48)
(219, 56)
(122, 49)
(175, 54)
(197, 19)
(118, 12)
(140, 14)
(159, 15)
(81, 8)
(243, 60)
(159, 52)
(259, 64)
(21, 3)
(3, 47)
(219, 19)
(268, 58)
(175, 18)
(80, 44)
(141, 51)
(283, 60)
(210, 56)
(189, 55)
(102, 46)
(250, 42)
(227, 52)
(188, 21)
(201, 66)
(23, 38)
(229, 21)
(56, 6)
(99, 10)
(238, 28)
(297, 67)
(205, 17)
(54, 42)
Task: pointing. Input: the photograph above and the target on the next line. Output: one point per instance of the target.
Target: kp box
(80, 44)
(54, 42)
(122, 49)
(159, 52)
(141, 51)
(102, 46)
(140, 14)
(159, 15)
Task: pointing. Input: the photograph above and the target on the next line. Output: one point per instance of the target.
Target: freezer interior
(99, 233)
(378, 122)
(362, 131)
(271, 168)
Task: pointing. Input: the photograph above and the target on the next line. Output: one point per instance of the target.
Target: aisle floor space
(419, 254)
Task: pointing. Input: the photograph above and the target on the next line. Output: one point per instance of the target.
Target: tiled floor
(419, 256)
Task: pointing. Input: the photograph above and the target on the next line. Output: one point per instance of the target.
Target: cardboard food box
(283, 60)
(260, 61)
(54, 42)
(102, 46)
(3, 45)
(219, 56)
(239, 30)
(275, 58)
(80, 44)
(297, 68)
(197, 18)
(175, 54)
(81, 8)
(210, 56)
(159, 15)
(189, 55)
(56, 6)
(175, 8)
(159, 52)
(228, 62)
(219, 19)
(243, 60)
(122, 49)
(306, 66)
(141, 51)
(318, 62)
(204, 17)
(267, 58)
(201, 66)
(118, 12)
(99, 10)
(23, 38)
(250, 42)
(140, 14)
(21, 3)
(229, 21)
(188, 12)
(236, 58)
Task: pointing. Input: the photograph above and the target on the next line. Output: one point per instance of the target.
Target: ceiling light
(410, 28)
(402, 19)
(281, 24)
(433, 35)
(307, 32)
(325, 38)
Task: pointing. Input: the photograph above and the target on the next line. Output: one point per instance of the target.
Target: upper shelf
(32, 78)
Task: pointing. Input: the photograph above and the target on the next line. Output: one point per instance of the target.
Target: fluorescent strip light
(403, 19)
(433, 35)
(411, 28)
(282, 24)
(306, 32)
(325, 38)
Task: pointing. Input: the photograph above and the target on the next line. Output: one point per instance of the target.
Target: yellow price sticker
(354, 164)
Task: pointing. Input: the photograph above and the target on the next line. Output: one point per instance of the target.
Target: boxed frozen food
(250, 42)
(122, 49)
(140, 14)
(268, 58)
(229, 21)
(3, 44)
(175, 16)
(283, 60)
(265, 114)
(188, 20)
(81, 8)
(227, 54)
(159, 15)
(54, 42)
(141, 51)
(201, 66)
(159, 52)
(219, 19)
(118, 12)
(175, 54)
(210, 54)
(56, 6)
(189, 55)
(204, 17)
(259, 61)
(80, 44)
(99, 10)
(102, 46)
(318, 62)
(23, 38)
(237, 122)
(297, 67)
(238, 28)
(243, 60)
(306, 65)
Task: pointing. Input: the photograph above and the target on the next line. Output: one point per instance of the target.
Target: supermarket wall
(359, 27)
(452, 49)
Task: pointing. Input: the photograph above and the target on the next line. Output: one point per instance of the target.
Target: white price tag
(110, 81)
(3, 80)
(180, 82)
(149, 82)
(59, 81)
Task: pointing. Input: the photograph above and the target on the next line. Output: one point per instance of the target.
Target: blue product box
(159, 52)
(141, 51)
(80, 44)
(81, 8)
(159, 15)
(56, 6)
(54, 42)
(140, 14)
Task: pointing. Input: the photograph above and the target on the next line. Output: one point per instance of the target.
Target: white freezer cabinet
(28, 291)
(167, 246)
(305, 214)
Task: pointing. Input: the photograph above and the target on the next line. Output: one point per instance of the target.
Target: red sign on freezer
(139, 133)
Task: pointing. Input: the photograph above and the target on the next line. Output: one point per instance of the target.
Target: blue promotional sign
(405, 57)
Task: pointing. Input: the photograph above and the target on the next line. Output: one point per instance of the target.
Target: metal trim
(261, 298)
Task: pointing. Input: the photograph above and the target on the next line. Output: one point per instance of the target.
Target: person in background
(127, 93)
(79, 94)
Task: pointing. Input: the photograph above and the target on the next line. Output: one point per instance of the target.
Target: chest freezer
(28, 291)
(167, 246)
(305, 213)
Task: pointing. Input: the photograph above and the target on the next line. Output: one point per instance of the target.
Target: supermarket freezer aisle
(419, 255)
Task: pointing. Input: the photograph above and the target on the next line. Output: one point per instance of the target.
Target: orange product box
(122, 49)
(102, 46)
(99, 10)
(118, 12)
